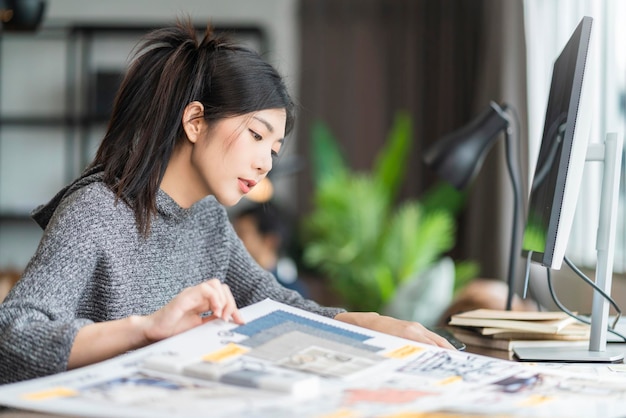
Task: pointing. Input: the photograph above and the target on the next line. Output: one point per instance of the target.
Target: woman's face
(234, 154)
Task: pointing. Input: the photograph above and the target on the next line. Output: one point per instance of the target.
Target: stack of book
(506, 330)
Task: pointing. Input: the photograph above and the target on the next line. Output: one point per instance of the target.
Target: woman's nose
(264, 163)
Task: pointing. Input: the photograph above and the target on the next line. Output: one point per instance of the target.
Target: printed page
(285, 362)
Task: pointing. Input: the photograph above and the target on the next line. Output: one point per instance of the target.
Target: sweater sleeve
(250, 283)
(38, 320)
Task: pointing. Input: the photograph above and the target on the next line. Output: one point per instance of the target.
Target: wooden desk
(13, 413)
(489, 352)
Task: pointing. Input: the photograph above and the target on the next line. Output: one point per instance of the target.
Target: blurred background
(376, 82)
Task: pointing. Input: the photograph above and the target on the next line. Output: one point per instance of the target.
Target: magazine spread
(285, 362)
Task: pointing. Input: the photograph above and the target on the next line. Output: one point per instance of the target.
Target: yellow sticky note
(427, 415)
(536, 400)
(341, 413)
(224, 353)
(405, 351)
(43, 395)
(450, 380)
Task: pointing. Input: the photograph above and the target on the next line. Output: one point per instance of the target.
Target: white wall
(35, 165)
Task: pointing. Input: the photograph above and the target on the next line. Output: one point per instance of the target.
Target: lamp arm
(514, 173)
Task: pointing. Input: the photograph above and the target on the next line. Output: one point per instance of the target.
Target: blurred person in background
(265, 230)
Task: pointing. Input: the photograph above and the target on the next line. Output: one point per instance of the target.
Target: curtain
(442, 61)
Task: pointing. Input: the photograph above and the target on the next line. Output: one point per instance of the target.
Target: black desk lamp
(458, 156)
(21, 15)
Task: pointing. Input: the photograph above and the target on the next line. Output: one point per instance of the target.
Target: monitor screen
(558, 173)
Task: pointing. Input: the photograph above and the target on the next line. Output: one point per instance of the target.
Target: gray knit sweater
(92, 265)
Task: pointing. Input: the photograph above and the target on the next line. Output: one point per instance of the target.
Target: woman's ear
(193, 120)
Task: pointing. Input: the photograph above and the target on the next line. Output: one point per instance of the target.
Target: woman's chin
(228, 201)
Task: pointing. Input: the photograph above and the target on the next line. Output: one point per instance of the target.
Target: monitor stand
(611, 154)
(568, 355)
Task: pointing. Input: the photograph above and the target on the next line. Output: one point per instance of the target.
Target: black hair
(172, 68)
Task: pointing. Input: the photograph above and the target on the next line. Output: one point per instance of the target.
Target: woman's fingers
(230, 310)
(190, 307)
(418, 332)
(220, 299)
(436, 339)
(401, 328)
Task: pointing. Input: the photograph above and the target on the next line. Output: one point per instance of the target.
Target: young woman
(140, 248)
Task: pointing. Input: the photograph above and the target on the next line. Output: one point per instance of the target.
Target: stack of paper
(285, 362)
(504, 330)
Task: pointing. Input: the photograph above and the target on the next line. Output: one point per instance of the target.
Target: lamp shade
(458, 156)
(21, 15)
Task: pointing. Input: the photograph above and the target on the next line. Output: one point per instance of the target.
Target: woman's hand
(184, 311)
(103, 340)
(400, 328)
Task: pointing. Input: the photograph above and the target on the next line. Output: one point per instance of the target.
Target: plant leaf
(357, 238)
(390, 165)
(328, 161)
(444, 196)
(464, 272)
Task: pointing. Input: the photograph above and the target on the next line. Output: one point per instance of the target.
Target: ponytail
(171, 69)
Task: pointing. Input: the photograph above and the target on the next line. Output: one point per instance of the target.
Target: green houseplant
(360, 237)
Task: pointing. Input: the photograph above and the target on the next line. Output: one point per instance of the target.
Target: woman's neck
(179, 180)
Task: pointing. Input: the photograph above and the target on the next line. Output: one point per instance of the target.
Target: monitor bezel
(575, 142)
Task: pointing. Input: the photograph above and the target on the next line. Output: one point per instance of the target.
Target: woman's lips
(246, 185)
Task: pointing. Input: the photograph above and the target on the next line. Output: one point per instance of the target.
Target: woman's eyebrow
(264, 122)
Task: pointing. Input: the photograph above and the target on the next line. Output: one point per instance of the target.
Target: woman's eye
(278, 147)
(256, 135)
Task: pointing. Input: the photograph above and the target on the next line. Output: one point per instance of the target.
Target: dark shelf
(15, 216)
(87, 33)
(47, 121)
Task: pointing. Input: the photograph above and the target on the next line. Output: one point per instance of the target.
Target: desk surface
(12, 413)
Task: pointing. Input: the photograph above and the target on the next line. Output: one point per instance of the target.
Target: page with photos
(285, 362)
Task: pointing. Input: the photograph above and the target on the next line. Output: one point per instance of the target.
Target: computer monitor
(559, 169)
(554, 190)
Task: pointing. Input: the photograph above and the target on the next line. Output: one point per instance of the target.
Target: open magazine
(285, 362)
